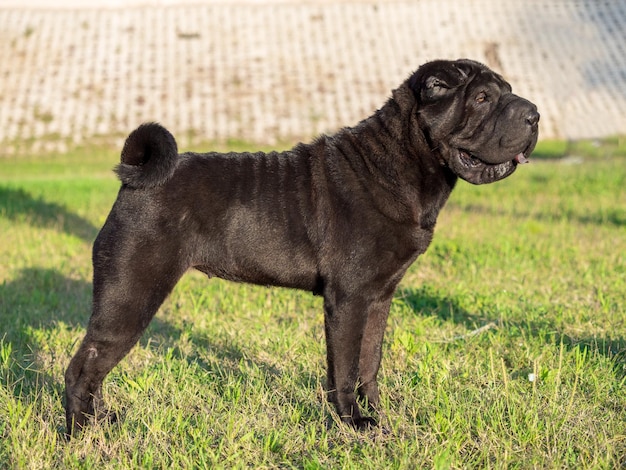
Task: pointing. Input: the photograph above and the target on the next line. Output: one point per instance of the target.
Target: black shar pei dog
(342, 217)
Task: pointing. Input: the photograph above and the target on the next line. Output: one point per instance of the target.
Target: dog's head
(470, 117)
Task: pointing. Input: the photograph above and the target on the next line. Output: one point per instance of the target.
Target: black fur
(149, 157)
(343, 217)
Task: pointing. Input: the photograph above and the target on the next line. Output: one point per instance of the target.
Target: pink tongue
(520, 158)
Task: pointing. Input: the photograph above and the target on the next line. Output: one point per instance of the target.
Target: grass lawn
(505, 348)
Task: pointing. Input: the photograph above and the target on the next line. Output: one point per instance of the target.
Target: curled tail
(149, 157)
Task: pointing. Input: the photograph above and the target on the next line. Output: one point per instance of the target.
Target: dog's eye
(481, 97)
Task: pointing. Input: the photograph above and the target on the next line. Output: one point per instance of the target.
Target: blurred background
(268, 72)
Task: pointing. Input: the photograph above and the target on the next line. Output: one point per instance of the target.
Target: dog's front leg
(371, 351)
(344, 324)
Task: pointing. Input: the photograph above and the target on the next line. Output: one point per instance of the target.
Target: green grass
(595, 148)
(526, 277)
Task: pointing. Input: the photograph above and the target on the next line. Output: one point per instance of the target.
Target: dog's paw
(362, 423)
(75, 428)
(106, 416)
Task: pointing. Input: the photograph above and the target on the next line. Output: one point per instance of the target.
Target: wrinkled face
(480, 129)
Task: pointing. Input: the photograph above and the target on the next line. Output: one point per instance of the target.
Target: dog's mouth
(472, 161)
(474, 170)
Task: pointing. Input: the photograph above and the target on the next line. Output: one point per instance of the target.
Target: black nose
(532, 117)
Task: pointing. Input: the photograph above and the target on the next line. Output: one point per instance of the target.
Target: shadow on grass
(229, 357)
(34, 304)
(614, 216)
(447, 310)
(32, 308)
(18, 205)
(39, 299)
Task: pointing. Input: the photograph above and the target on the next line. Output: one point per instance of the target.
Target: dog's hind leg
(125, 300)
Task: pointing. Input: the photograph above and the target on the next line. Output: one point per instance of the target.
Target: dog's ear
(435, 87)
(435, 82)
(438, 79)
